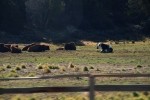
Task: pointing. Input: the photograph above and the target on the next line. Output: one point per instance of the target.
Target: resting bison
(7, 45)
(105, 48)
(46, 47)
(70, 46)
(3, 48)
(36, 48)
(28, 46)
(15, 49)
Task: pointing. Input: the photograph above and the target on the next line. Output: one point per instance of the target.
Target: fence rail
(91, 88)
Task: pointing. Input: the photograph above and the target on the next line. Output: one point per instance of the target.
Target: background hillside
(72, 20)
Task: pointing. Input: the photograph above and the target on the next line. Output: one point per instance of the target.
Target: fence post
(91, 87)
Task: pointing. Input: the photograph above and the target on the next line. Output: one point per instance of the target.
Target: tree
(12, 15)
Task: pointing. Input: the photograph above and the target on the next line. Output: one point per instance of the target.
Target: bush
(23, 66)
(85, 69)
(18, 68)
(2, 69)
(91, 67)
(139, 66)
(8, 66)
(40, 67)
(53, 67)
(135, 94)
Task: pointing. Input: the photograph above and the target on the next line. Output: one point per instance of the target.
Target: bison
(36, 48)
(70, 46)
(3, 48)
(46, 47)
(28, 46)
(105, 48)
(15, 49)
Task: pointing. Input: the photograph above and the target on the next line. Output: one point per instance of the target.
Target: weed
(97, 69)
(31, 74)
(53, 67)
(91, 67)
(35, 59)
(71, 65)
(40, 67)
(18, 68)
(77, 69)
(146, 93)
(32, 98)
(12, 74)
(2, 69)
(63, 70)
(46, 70)
(139, 66)
(23, 66)
(14, 71)
(8, 66)
(85, 69)
(135, 94)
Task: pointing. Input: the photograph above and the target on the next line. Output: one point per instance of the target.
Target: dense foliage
(76, 19)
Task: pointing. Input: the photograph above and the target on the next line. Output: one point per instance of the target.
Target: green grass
(127, 58)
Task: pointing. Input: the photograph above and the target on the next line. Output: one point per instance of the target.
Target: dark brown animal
(28, 46)
(7, 45)
(46, 47)
(36, 48)
(70, 46)
(3, 48)
(105, 48)
(15, 49)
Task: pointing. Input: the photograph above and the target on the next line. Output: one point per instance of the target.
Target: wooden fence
(91, 88)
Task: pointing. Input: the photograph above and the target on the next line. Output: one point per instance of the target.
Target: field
(127, 58)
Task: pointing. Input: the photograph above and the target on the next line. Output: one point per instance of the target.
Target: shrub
(2, 69)
(46, 70)
(139, 66)
(40, 67)
(8, 66)
(97, 69)
(32, 98)
(53, 67)
(23, 66)
(31, 74)
(12, 75)
(146, 93)
(77, 69)
(14, 71)
(71, 66)
(91, 67)
(135, 94)
(18, 68)
(85, 69)
(63, 70)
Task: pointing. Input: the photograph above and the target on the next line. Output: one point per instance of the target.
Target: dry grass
(127, 58)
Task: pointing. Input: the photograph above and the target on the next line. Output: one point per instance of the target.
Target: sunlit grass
(127, 58)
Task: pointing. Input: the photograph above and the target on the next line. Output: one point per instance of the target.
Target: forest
(73, 20)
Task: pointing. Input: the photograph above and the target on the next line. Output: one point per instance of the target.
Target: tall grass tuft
(85, 69)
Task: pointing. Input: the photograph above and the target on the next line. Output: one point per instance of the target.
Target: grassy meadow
(127, 58)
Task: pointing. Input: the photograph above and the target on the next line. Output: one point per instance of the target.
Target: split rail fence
(91, 88)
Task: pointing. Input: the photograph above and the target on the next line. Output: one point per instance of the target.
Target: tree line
(108, 16)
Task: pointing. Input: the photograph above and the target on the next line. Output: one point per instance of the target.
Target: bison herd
(35, 47)
(30, 48)
(9, 48)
